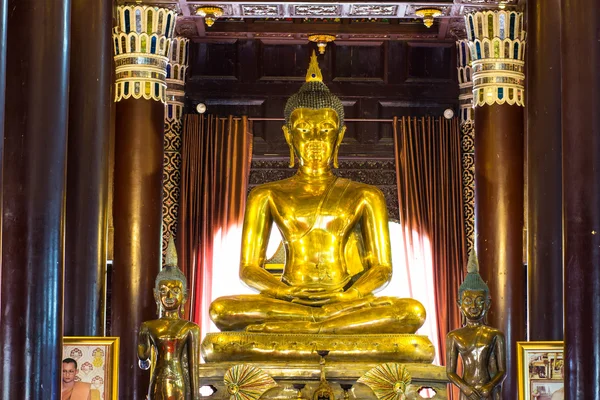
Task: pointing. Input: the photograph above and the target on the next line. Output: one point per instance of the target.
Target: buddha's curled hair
(170, 271)
(473, 280)
(314, 94)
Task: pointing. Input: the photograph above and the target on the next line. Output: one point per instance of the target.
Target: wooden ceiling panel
(348, 20)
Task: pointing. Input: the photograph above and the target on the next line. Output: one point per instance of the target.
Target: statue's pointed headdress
(313, 73)
(171, 256)
(314, 94)
(473, 280)
(170, 270)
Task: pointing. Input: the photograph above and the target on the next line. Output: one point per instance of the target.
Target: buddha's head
(314, 121)
(170, 286)
(473, 294)
(474, 304)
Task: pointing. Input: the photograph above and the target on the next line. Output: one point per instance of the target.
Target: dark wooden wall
(374, 79)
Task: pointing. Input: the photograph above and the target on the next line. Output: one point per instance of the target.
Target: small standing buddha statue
(335, 234)
(481, 347)
(176, 341)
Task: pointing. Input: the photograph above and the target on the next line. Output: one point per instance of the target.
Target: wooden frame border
(523, 349)
(111, 386)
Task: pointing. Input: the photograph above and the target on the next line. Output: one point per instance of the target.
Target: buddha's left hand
(485, 390)
(314, 296)
(336, 297)
(334, 308)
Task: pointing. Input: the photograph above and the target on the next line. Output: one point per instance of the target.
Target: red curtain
(428, 170)
(216, 155)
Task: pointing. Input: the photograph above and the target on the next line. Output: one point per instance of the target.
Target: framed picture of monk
(540, 370)
(90, 368)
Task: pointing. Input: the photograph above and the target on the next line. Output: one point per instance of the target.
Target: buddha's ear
(288, 138)
(157, 300)
(338, 142)
(287, 134)
(488, 303)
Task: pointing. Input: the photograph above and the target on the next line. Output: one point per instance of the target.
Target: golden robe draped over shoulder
(79, 391)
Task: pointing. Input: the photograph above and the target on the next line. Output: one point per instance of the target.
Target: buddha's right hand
(301, 295)
(317, 296)
(472, 393)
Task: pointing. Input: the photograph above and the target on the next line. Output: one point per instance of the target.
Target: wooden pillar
(580, 50)
(176, 74)
(33, 190)
(3, 28)
(544, 172)
(467, 131)
(142, 41)
(497, 41)
(87, 170)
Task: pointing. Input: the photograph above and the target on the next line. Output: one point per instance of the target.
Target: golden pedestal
(242, 346)
(339, 375)
(292, 361)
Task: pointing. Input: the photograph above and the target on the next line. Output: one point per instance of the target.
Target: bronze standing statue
(176, 341)
(335, 233)
(481, 348)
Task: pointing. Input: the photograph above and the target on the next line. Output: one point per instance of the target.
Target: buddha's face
(314, 135)
(474, 304)
(170, 294)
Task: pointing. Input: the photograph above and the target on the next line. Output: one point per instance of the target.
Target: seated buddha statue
(335, 235)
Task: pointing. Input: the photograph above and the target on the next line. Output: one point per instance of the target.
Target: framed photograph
(95, 370)
(540, 370)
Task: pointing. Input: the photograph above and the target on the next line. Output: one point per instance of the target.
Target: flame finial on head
(313, 74)
(171, 256)
(473, 264)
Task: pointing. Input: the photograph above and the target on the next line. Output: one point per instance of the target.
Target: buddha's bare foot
(284, 327)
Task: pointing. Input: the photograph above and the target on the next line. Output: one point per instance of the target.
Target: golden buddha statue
(176, 341)
(481, 347)
(335, 234)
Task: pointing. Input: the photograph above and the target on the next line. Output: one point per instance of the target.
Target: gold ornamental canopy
(428, 15)
(321, 41)
(210, 14)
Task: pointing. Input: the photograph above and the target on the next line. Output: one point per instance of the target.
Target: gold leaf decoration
(388, 381)
(245, 382)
